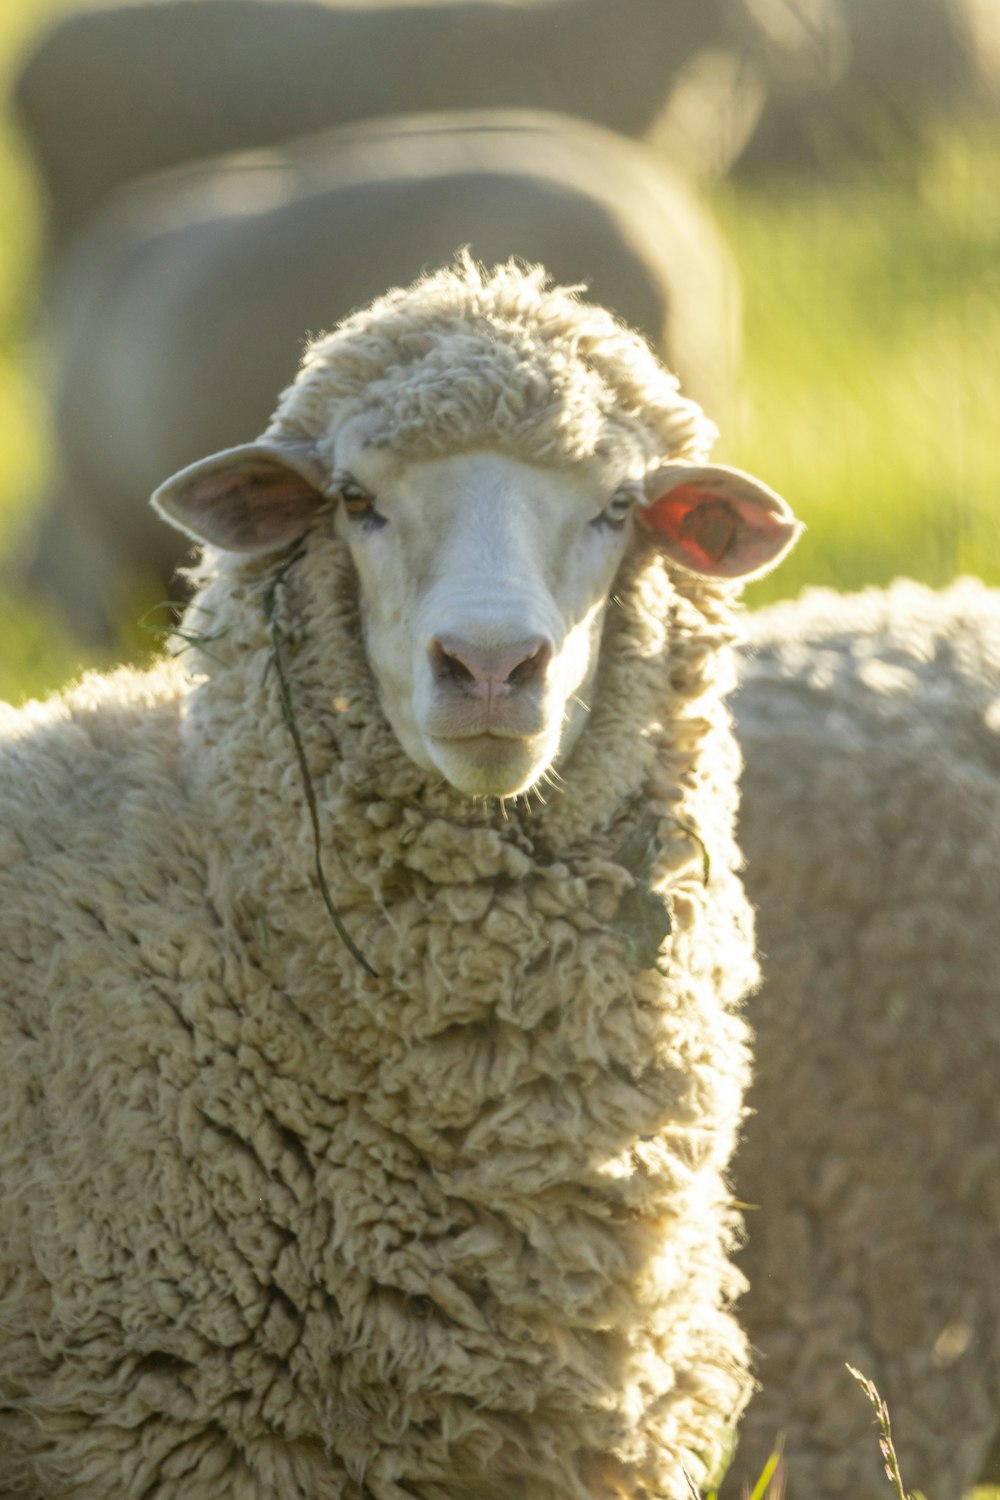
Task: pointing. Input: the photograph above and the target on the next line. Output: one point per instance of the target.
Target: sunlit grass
(37, 650)
(872, 371)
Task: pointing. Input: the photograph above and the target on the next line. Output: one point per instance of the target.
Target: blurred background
(798, 201)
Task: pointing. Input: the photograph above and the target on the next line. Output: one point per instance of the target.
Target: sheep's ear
(717, 521)
(253, 499)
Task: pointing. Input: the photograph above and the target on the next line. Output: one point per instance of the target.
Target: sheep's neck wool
(509, 1175)
(460, 1231)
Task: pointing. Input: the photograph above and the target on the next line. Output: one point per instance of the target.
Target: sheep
(366, 1105)
(222, 270)
(172, 70)
(870, 823)
(885, 75)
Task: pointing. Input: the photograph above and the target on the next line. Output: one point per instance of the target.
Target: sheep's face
(483, 583)
(483, 579)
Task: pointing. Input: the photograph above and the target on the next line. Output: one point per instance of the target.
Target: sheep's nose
(483, 670)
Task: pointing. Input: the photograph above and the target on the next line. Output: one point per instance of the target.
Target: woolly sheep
(870, 729)
(223, 268)
(439, 1210)
(174, 71)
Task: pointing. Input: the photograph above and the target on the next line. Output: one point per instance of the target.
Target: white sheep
(870, 729)
(365, 1117)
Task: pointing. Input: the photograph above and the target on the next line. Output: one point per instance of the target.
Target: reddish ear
(717, 521)
(253, 499)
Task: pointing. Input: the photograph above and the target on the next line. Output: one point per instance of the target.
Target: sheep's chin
(486, 765)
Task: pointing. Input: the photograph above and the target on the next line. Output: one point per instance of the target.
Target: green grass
(38, 650)
(872, 370)
(770, 1484)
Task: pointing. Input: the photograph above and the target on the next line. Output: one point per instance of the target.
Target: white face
(483, 580)
(483, 584)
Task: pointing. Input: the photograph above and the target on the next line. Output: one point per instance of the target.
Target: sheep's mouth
(516, 723)
(491, 763)
(488, 744)
(485, 737)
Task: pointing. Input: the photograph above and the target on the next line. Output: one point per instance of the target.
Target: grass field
(871, 392)
(872, 372)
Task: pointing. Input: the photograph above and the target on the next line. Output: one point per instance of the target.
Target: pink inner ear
(699, 523)
(702, 526)
(278, 505)
(719, 533)
(252, 507)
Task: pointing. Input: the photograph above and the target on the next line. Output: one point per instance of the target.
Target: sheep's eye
(616, 512)
(354, 497)
(358, 503)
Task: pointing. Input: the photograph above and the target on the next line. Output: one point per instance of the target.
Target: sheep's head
(484, 580)
(484, 567)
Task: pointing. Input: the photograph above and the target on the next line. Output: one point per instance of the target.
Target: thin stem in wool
(706, 863)
(200, 639)
(288, 713)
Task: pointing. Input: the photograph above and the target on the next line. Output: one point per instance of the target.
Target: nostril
(447, 666)
(532, 668)
(517, 664)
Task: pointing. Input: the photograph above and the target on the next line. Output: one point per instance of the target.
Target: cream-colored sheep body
(279, 1228)
(870, 730)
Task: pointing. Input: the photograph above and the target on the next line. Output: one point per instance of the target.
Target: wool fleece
(276, 1228)
(870, 728)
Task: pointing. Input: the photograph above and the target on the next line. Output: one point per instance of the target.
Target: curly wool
(279, 1228)
(463, 359)
(870, 727)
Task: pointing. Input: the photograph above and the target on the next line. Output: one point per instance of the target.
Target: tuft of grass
(178, 628)
(770, 1483)
(889, 1458)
